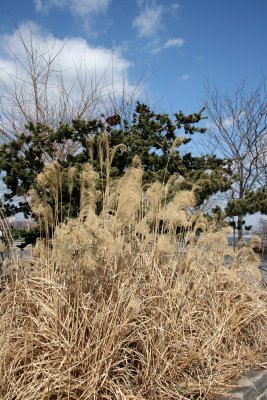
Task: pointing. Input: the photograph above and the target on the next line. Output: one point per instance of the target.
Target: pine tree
(151, 136)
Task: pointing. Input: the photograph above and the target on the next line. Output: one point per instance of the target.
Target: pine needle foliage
(109, 144)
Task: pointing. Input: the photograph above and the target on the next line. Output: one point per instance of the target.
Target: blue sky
(173, 46)
(176, 44)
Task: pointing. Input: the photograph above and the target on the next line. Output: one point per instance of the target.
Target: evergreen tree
(251, 203)
(151, 136)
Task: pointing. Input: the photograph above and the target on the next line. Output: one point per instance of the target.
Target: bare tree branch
(239, 132)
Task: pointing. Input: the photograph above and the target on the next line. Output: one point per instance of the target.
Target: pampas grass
(116, 311)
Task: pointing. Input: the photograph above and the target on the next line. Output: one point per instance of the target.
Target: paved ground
(263, 268)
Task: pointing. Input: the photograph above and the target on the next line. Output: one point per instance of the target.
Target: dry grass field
(119, 306)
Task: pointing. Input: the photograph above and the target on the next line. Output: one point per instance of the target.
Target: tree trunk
(234, 244)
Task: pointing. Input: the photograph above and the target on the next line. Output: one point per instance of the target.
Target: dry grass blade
(118, 311)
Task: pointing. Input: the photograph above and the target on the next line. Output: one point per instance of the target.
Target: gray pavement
(263, 268)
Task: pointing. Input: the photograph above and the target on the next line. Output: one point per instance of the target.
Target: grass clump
(126, 304)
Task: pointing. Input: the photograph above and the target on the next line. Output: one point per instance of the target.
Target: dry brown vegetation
(121, 306)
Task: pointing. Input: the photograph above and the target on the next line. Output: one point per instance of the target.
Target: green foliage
(251, 203)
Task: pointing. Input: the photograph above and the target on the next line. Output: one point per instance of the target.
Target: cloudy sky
(173, 47)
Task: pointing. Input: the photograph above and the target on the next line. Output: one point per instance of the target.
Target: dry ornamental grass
(122, 307)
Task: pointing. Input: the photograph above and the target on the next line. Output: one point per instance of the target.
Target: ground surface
(263, 268)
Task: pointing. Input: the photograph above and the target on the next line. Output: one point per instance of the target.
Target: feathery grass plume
(255, 242)
(172, 179)
(199, 222)
(111, 315)
(214, 241)
(176, 143)
(184, 200)
(72, 173)
(173, 217)
(214, 246)
(142, 228)
(129, 194)
(226, 229)
(35, 201)
(247, 262)
(101, 231)
(103, 153)
(199, 185)
(100, 153)
(109, 158)
(89, 194)
(166, 244)
(90, 147)
(190, 238)
(42, 180)
(120, 147)
(241, 243)
(174, 214)
(106, 156)
(111, 199)
(136, 162)
(154, 195)
(179, 179)
(73, 252)
(41, 209)
(39, 250)
(171, 186)
(51, 179)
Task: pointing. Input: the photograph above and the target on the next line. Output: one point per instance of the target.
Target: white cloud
(227, 123)
(176, 42)
(175, 6)
(104, 70)
(72, 51)
(149, 21)
(233, 120)
(38, 5)
(77, 7)
(185, 77)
